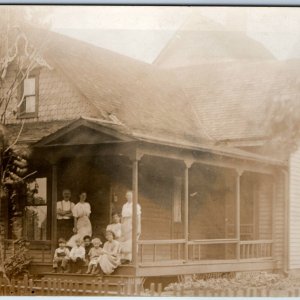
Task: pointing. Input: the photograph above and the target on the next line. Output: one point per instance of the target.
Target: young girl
(116, 226)
(110, 258)
(94, 255)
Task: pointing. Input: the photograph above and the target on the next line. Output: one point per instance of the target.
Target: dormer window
(29, 91)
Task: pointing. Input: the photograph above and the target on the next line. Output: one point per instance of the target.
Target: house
(104, 123)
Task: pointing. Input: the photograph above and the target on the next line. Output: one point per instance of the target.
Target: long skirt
(108, 263)
(84, 227)
(126, 239)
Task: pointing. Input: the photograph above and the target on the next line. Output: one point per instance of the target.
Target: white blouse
(127, 210)
(81, 210)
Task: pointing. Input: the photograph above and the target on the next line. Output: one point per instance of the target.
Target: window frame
(48, 216)
(23, 114)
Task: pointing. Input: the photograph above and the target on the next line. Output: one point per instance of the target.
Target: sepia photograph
(149, 151)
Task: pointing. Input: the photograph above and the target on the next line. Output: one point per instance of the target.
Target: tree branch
(17, 138)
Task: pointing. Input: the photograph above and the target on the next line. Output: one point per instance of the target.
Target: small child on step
(61, 256)
(87, 243)
(77, 257)
(94, 255)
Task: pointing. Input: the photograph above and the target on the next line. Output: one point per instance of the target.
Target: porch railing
(222, 249)
(161, 250)
(154, 251)
(256, 249)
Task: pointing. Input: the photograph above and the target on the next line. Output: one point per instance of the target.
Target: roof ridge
(89, 45)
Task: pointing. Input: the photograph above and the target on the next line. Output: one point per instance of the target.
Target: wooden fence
(58, 287)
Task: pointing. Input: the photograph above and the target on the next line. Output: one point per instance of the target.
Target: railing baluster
(193, 252)
(142, 248)
(43, 253)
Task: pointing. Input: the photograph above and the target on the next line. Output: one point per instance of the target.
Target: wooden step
(87, 277)
(40, 269)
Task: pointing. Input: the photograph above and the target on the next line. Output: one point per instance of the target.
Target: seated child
(87, 246)
(110, 258)
(77, 257)
(116, 226)
(94, 255)
(61, 256)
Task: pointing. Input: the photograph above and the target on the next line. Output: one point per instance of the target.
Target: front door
(87, 176)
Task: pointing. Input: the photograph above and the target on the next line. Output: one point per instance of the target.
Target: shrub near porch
(275, 283)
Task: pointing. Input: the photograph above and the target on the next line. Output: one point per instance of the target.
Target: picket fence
(58, 287)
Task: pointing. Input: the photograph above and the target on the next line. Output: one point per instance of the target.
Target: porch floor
(173, 268)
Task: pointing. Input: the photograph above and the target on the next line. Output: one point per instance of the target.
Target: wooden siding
(294, 220)
(264, 208)
(279, 215)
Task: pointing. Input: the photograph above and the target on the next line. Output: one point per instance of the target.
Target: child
(94, 255)
(110, 259)
(87, 246)
(61, 256)
(77, 257)
(116, 226)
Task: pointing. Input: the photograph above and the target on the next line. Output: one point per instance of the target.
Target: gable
(83, 136)
(83, 132)
(59, 99)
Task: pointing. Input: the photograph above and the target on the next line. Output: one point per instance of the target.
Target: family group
(80, 249)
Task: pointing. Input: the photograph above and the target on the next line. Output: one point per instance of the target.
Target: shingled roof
(233, 100)
(146, 100)
(201, 104)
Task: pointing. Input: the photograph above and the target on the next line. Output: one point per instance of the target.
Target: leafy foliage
(18, 263)
(282, 125)
(265, 280)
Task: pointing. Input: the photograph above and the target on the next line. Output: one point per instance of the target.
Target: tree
(282, 126)
(18, 58)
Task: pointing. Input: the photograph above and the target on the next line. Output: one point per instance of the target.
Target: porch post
(53, 209)
(134, 210)
(273, 213)
(238, 212)
(187, 164)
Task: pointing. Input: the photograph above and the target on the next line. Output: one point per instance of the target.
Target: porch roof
(44, 134)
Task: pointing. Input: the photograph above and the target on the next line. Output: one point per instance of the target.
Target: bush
(260, 280)
(18, 264)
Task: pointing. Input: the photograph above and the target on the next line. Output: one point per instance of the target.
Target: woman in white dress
(109, 260)
(126, 240)
(82, 224)
(116, 226)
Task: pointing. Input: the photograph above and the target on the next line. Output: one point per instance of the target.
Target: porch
(202, 212)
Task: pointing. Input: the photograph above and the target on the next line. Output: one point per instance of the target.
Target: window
(35, 215)
(29, 92)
